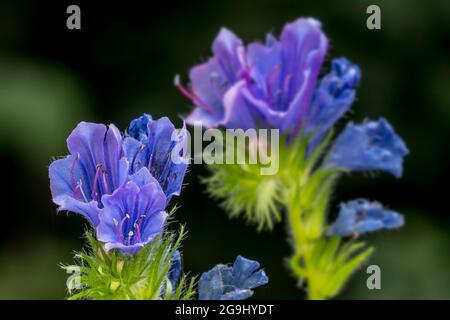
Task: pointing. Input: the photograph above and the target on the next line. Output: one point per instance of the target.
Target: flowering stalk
(276, 85)
(122, 184)
(115, 275)
(322, 261)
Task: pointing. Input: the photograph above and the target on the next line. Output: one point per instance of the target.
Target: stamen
(130, 235)
(192, 96)
(80, 187)
(105, 182)
(94, 188)
(138, 230)
(116, 223)
(127, 216)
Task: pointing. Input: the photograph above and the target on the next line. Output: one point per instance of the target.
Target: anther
(130, 235)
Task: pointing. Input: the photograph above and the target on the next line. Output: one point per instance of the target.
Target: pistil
(193, 97)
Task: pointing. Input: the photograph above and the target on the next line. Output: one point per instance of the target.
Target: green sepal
(331, 263)
(115, 275)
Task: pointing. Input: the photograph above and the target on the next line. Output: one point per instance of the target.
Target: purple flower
(373, 145)
(269, 85)
(133, 215)
(361, 216)
(150, 144)
(95, 167)
(333, 97)
(231, 283)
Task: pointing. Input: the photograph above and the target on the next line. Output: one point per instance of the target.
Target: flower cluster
(277, 85)
(122, 184)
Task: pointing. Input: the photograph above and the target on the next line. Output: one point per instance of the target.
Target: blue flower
(95, 167)
(373, 145)
(138, 128)
(133, 215)
(361, 216)
(333, 97)
(231, 283)
(175, 268)
(151, 144)
(269, 85)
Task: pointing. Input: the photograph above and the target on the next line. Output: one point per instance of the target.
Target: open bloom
(133, 215)
(95, 167)
(361, 216)
(373, 145)
(267, 84)
(231, 283)
(159, 147)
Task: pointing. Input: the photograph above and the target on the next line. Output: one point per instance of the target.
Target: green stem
(303, 247)
(314, 294)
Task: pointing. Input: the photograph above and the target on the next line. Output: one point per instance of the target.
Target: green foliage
(242, 189)
(327, 264)
(303, 186)
(102, 275)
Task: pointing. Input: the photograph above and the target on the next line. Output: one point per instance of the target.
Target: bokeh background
(122, 63)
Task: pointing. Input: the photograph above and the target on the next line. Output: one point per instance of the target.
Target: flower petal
(175, 268)
(209, 85)
(210, 285)
(332, 99)
(231, 283)
(361, 216)
(373, 145)
(142, 178)
(132, 216)
(156, 154)
(66, 194)
(246, 274)
(240, 108)
(303, 47)
(226, 49)
(138, 128)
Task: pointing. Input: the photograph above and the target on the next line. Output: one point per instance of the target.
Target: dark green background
(122, 63)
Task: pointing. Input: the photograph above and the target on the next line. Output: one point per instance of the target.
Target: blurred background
(122, 63)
